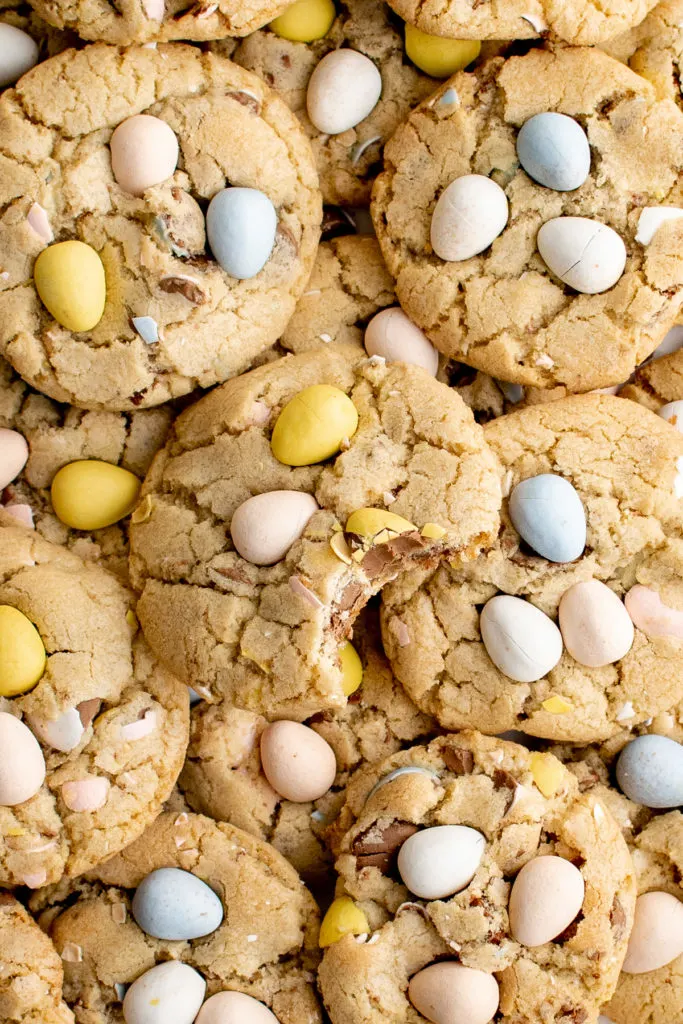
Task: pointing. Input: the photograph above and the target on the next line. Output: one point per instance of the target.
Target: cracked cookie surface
(32, 975)
(231, 129)
(657, 383)
(625, 463)
(503, 311)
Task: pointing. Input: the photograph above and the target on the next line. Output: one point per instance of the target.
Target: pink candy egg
(298, 763)
(144, 152)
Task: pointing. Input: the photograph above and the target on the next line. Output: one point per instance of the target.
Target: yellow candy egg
(69, 278)
(90, 495)
(313, 426)
(352, 668)
(305, 21)
(22, 654)
(343, 918)
(437, 56)
(368, 523)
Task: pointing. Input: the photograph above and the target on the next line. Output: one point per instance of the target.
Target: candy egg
(22, 653)
(234, 1008)
(651, 615)
(22, 765)
(13, 455)
(546, 896)
(144, 152)
(437, 862)
(344, 917)
(657, 936)
(342, 91)
(588, 256)
(448, 993)
(549, 515)
(394, 336)
(305, 21)
(352, 668)
(264, 527)
(63, 733)
(370, 523)
(18, 54)
(470, 213)
(596, 628)
(313, 426)
(170, 993)
(519, 638)
(298, 763)
(241, 224)
(553, 149)
(176, 905)
(89, 495)
(672, 412)
(437, 56)
(69, 278)
(650, 771)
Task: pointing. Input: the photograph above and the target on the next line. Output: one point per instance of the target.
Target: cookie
(31, 987)
(580, 22)
(223, 775)
(264, 634)
(348, 161)
(19, 54)
(515, 814)
(94, 731)
(659, 49)
(265, 944)
(623, 464)
(505, 311)
(173, 318)
(657, 384)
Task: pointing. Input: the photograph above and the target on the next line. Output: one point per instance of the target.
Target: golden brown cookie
(32, 975)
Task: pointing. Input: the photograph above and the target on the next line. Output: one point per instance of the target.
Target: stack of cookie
(341, 512)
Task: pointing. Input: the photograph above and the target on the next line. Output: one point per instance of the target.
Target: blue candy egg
(176, 905)
(549, 515)
(553, 150)
(650, 771)
(241, 225)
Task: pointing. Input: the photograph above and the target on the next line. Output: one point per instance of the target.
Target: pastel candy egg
(298, 763)
(22, 653)
(546, 896)
(305, 21)
(343, 917)
(394, 336)
(264, 527)
(63, 733)
(234, 1008)
(596, 628)
(241, 224)
(657, 936)
(437, 862)
(470, 213)
(437, 56)
(651, 615)
(398, 773)
(13, 455)
(22, 765)
(519, 638)
(18, 54)
(170, 993)
(650, 771)
(144, 152)
(588, 256)
(313, 425)
(553, 149)
(176, 905)
(549, 515)
(352, 668)
(69, 278)
(448, 993)
(89, 495)
(342, 91)
(672, 412)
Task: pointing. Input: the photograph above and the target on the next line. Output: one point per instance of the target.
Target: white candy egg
(63, 733)
(546, 896)
(394, 336)
(170, 993)
(448, 993)
(264, 527)
(22, 765)
(470, 213)
(298, 763)
(234, 1008)
(519, 638)
(657, 936)
(144, 152)
(437, 862)
(588, 256)
(13, 455)
(18, 54)
(343, 90)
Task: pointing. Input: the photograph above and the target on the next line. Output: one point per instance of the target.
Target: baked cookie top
(31, 986)
(515, 814)
(623, 463)
(172, 317)
(657, 384)
(504, 310)
(386, 437)
(94, 731)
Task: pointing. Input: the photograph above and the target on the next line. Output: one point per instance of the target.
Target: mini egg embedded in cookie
(588, 256)
(469, 215)
(596, 628)
(176, 905)
(548, 514)
(144, 152)
(520, 639)
(553, 149)
(657, 936)
(241, 224)
(22, 765)
(18, 54)
(264, 527)
(90, 494)
(235, 1008)
(546, 896)
(69, 278)
(439, 861)
(305, 21)
(450, 993)
(343, 90)
(393, 336)
(170, 993)
(22, 653)
(313, 426)
(298, 763)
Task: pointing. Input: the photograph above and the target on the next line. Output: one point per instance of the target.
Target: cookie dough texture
(503, 311)
(232, 130)
(265, 947)
(658, 49)
(657, 383)
(489, 785)
(266, 638)
(580, 21)
(50, 40)
(31, 983)
(347, 163)
(84, 617)
(625, 463)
